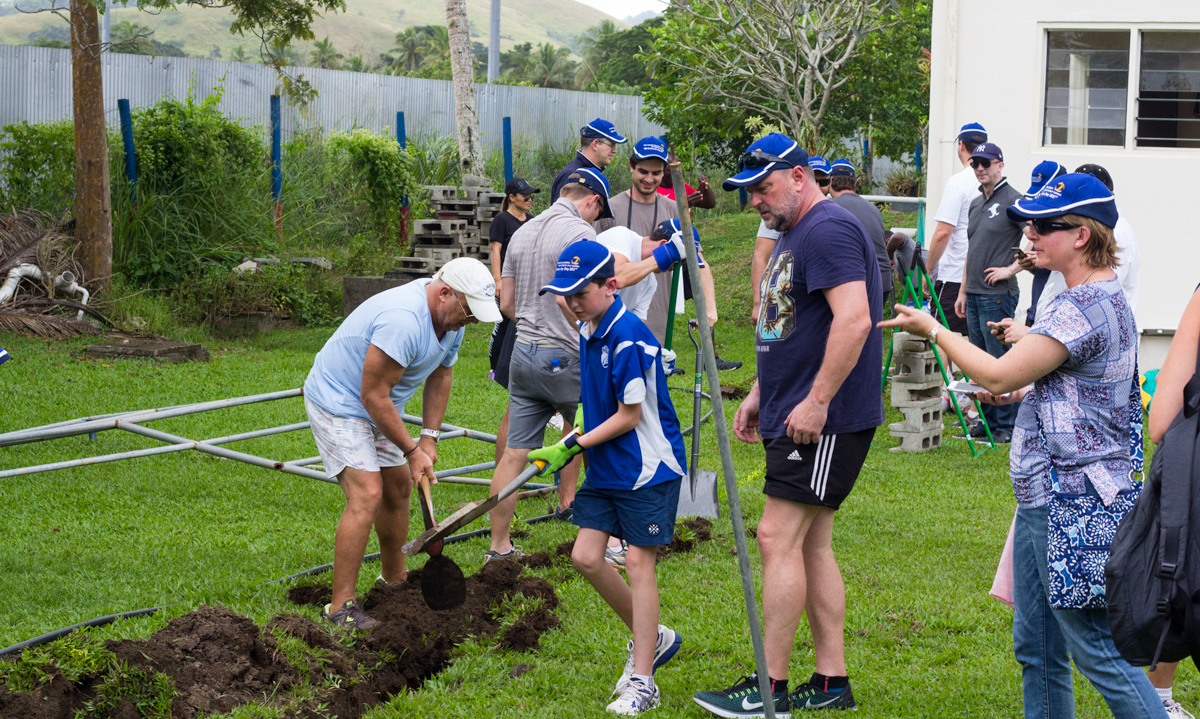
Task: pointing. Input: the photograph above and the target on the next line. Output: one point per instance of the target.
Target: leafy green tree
(285, 56)
(50, 42)
(408, 50)
(324, 55)
(591, 46)
(355, 63)
(436, 45)
(551, 67)
(239, 54)
(130, 37)
(622, 66)
(515, 63)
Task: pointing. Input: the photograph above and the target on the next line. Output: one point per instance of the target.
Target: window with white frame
(1087, 87)
(1168, 100)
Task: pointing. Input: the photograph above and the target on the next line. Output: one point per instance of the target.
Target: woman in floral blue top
(1073, 374)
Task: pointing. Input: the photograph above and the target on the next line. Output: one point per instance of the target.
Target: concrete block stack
(489, 207)
(917, 393)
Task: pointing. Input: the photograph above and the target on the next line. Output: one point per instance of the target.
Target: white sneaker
(665, 649)
(635, 699)
(1175, 710)
(615, 556)
(556, 421)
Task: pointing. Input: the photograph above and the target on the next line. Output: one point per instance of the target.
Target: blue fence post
(127, 141)
(917, 156)
(402, 139)
(277, 164)
(508, 154)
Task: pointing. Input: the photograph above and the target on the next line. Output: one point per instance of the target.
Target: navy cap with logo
(519, 186)
(989, 151)
(1043, 173)
(767, 154)
(604, 130)
(595, 181)
(578, 264)
(972, 132)
(1097, 172)
(650, 147)
(1072, 194)
(842, 167)
(818, 164)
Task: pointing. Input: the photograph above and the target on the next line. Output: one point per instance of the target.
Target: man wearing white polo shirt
(948, 247)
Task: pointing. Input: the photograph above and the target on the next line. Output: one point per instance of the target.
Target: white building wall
(989, 67)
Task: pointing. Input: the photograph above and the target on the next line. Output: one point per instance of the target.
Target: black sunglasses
(756, 159)
(823, 181)
(977, 162)
(1044, 226)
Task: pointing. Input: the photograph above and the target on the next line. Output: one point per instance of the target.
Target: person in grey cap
(598, 142)
(401, 340)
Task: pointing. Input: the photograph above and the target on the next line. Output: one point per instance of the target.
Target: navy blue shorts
(643, 517)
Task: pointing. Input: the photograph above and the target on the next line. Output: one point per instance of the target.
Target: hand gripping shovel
(433, 535)
(442, 582)
(698, 497)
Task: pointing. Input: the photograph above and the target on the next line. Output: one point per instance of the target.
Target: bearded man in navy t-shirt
(816, 404)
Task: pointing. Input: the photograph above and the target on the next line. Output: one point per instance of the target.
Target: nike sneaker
(741, 700)
(810, 697)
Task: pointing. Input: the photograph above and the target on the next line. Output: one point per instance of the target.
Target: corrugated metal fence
(35, 85)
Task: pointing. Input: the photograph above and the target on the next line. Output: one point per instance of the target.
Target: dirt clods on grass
(538, 560)
(213, 659)
(310, 596)
(565, 549)
(687, 533)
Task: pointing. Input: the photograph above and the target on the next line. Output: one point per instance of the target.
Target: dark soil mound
(57, 698)
(700, 530)
(539, 560)
(310, 596)
(565, 549)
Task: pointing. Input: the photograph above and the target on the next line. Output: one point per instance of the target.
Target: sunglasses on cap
(977, 162)
(756, 159)
(1044, 226)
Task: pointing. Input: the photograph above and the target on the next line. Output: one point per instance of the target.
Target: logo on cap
(490, 290)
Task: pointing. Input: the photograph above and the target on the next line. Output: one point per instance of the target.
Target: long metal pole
(493, 68)
(731, 490)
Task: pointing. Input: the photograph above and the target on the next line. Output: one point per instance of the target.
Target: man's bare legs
(502, 436)
(642, 590)
(800, 573)
(510, 465)
(380, 498)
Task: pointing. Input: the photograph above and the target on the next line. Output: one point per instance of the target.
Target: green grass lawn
(918, 540)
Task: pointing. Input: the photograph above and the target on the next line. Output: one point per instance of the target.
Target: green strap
(671, 305)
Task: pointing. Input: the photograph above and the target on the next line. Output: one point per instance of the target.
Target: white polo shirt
(961, 189)
(627, 243)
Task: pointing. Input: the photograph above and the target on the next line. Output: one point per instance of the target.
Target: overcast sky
(621, 9)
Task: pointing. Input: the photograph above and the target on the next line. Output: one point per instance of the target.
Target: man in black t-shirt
(816, 404)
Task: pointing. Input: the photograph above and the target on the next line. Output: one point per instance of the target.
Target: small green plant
(77, 656)
(511, 609)
(519, 527)
(684, 534)
(903, 182)
(257, 711)
(383, 172)
(147, 690)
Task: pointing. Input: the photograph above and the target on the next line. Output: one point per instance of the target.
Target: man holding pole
(398, 341)
(816, 404)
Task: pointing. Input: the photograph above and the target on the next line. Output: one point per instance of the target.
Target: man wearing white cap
(398, 341)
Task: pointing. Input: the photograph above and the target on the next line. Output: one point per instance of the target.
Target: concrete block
(491, 200)
(915, 368)
(451, 240)
(905, 342)
(918, 441)
(919, 419)
(358, 289)
(450, 193)
(916, 394)
(165, 350)
(485, 231)
(439, 255)
(439, 227)
(415, 264)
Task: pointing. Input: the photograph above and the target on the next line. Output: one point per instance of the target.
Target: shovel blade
(698, 496)
(443, 585)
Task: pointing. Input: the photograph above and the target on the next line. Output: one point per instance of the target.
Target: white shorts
(346, 442)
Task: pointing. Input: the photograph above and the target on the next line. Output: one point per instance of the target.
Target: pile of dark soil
(700, 530)
(217, 659)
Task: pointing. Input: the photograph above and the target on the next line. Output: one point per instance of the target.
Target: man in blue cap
(764, 242)
(989, 291)
(843, 190)
(948, 246)
(816, 404)
(598, 142)
(543, 373)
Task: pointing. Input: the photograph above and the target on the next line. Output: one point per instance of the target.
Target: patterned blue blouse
(1084, 403)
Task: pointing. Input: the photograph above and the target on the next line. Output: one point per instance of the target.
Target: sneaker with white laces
(514, 553)
(1175, 710)
(556, 421)
(350, 616)
(665, 648)
(636, 698)
(615, 556)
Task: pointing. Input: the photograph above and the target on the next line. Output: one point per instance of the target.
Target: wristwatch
(932, 335)
(431, 433)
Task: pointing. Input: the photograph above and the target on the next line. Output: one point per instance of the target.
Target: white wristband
(431, 433)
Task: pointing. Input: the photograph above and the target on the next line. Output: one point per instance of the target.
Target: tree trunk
(462, 68)
(93, 204)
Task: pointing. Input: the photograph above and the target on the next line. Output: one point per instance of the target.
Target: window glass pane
(1168, 109)
(1087, 84)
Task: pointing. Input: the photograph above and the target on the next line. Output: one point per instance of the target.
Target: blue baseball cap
(668, 228)
(1071, 194)
(767, 154)
(1043, 173)
(988, 151)
(818, 164)
(650, 147)
(972, 132)
(578, 264)
(595, 181)
(604, 130)
(842, 167)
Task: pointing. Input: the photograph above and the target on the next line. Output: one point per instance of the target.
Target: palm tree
(590, 47)
(355, 64)
(239, 54)
(409, 49)
(286, 54)
(134, 36)
(437, 44)
(551, 67)
(324, 55)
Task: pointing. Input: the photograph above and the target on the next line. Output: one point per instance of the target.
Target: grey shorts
(537, 389)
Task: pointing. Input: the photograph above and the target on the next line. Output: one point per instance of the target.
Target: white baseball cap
(472, 278)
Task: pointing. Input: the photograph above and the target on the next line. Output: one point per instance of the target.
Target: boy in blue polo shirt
(636, 462)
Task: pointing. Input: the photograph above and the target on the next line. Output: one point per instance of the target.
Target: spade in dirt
(698, 495)
(442, 582)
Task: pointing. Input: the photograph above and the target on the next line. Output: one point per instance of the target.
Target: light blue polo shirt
(621, 364)
(396, 321)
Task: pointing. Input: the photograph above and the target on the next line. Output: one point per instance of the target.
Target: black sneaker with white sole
(811, 697)
(743, 699)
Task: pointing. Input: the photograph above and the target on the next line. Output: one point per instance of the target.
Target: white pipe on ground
(66, 283)
(14, 278)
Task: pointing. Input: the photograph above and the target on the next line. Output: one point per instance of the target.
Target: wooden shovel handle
(426, 501)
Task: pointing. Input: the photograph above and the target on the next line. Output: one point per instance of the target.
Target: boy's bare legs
(641, 591)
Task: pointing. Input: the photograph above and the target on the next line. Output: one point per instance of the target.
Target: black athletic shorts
(947, 294)
(820, 474)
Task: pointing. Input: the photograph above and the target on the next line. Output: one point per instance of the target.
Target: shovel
(442, 582)
(698, 496)
(433, 535)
